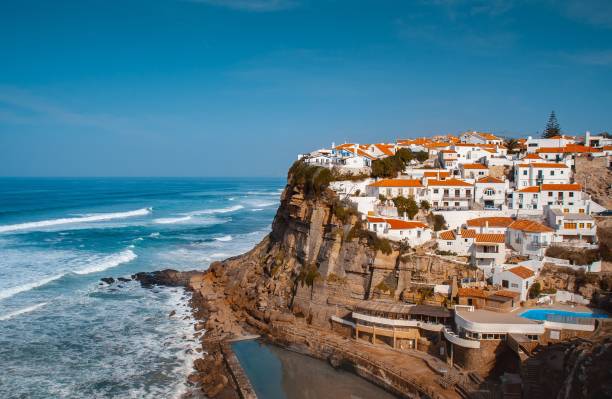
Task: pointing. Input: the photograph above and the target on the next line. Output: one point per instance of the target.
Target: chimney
(587, 139)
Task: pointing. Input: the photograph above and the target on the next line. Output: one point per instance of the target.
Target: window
(468, 193)
(449, 243)
(446, 204)
(568, 225)
(457, 193)
(435, 203)
(505, 283)
(552, 172)
(566, 210)
(524, 173)
(571, 194)
(589, 225)
(581, 210)
(457, 204)
(436, 191)
(550, 194)
(489, 191)
(581, 225)
(513, 285)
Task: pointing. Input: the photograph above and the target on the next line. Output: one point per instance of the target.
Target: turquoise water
(62, 334)
(276, 373)
(541, 314)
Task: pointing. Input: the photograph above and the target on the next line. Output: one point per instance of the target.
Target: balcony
(446, 197)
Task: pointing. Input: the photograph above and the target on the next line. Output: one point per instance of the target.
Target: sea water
(65, 335)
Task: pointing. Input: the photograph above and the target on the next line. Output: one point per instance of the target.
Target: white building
(517, 279)
(391, 188)
(571, 227)
(533, 144)
(488, 251)
(529, 238)
(537, 197)
(449, 194)
(533, 174)
(414, 233)
(457, 241)
(473, 171)
(491, 192)
(474, 137)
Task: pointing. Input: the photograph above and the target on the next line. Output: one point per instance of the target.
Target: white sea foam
(9, 292)
(256, 209)
(107, 262)
(84, 219)
(153, 235)
(224, 238)
(233, 208)
(173, 220)
(275, 194)
(22, 311)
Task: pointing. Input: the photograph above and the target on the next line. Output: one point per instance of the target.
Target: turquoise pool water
(542, 314)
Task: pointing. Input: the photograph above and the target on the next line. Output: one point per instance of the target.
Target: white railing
(455, 339)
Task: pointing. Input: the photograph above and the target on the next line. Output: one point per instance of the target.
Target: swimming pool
(543, 314)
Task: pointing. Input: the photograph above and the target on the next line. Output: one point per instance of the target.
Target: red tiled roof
(397, 183)
(551, 187)
(472, 292)
(447, 235)
(441, 173)
(474, 166)
(373, 219)
(493, 221)
(385, 148)
(468, 233)
(449, 182)
(522, 272)
(532, 156)
(491, 238)
(530, 226)
(490, 179)
(507, 293)
(404, 224)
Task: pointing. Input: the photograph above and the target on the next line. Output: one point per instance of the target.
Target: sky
(239, 87)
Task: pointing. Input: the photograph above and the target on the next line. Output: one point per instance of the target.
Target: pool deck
(556, 306)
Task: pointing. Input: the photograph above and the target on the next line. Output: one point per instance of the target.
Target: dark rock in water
(120, 286)
(124, 280)
(167, 277)
(108, 280)
(172, 313)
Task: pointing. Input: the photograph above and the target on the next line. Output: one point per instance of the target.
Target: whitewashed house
(391, 188)
(491, 192)
(537, 197)
(474, 137)
(413, 232)
(488, 251)
(533, 144)
(529, 237)
(473, 171)
(517, 279)
(490, 224)
(459, 241)
(449, 194)
(571, 226)
(533, 174)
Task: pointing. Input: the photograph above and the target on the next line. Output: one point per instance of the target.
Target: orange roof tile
(385, 149)
(568, 149)
(530, 226)
(441, 173)
(491, 238)
(474, 166)
(532, 189)
(532, 156)
(447, 235)
(607, 148)
(561, 187)
(490, 179)
(374, 219)
(493, 221)
(522, 272)
(397, 224)
(472, 292)
(448, 152)
(507, 293)
(468, 233)
(397, 183)
(449, 182)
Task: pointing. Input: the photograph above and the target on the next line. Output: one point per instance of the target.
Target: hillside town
(511, 215)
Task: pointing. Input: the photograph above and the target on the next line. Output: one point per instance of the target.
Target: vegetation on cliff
(389, 167)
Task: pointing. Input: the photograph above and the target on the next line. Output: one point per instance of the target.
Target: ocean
(63, 334)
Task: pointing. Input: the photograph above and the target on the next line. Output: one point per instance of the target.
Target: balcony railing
(448, 197)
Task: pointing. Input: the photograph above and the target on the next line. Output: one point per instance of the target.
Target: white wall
(455, 219)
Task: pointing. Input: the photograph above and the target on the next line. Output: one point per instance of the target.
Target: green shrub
(437, 221)
(389, 167)
(535, 290)
(344, 210)
(425, 205)
(406, 206)
(314, 179)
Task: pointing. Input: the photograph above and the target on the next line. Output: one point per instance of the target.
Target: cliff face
(317, 261)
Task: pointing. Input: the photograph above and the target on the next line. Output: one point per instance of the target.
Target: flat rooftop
(572, 216)
(486, 316)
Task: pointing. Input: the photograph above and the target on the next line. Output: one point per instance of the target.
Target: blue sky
(238, 87)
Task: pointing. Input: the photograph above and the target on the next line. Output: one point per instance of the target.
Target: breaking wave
(233, 208)
(172, 220)
(82, 219)
(22, 311)
(110, 261)
(224, 238)
(9, 292)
